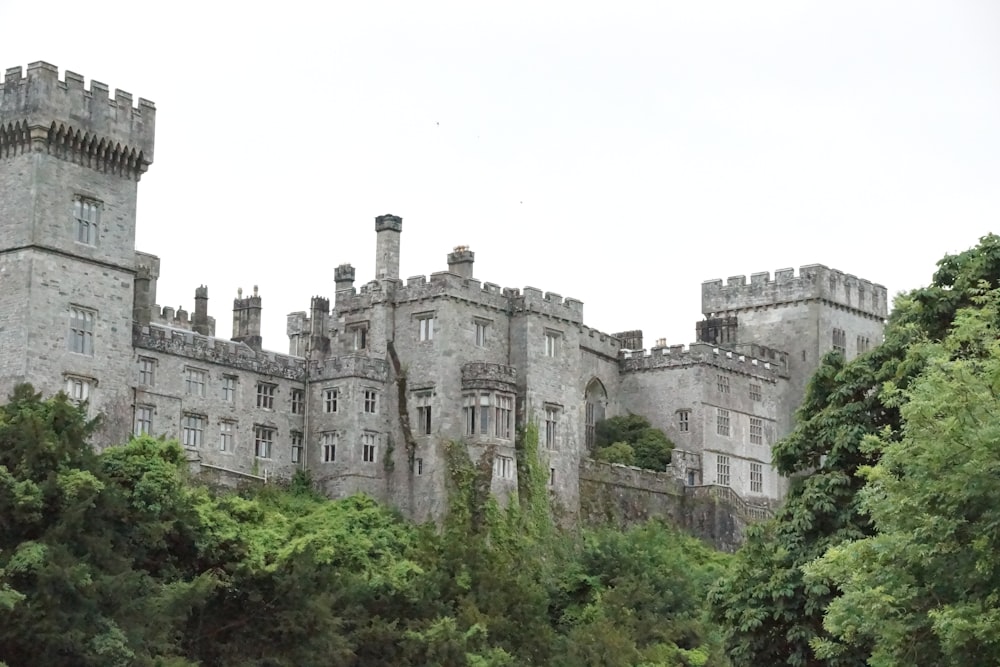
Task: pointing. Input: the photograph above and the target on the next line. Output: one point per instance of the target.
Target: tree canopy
(632, 440)
(121, 558)
(853, 414)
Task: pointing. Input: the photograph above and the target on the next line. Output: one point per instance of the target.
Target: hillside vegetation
(118, 559)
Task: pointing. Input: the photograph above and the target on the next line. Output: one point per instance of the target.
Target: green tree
(619, 452)
(925, 588)
(68, 536)
(637, 597)
(770, 613)
(615, 437)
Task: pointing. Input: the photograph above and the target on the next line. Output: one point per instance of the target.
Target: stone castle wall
(447, 343)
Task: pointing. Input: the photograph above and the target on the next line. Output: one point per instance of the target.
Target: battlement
(485, 375)
(533, 300)
(149, 262)
(814, 281)
(41, 112)
(178, 318)
(448, 284)
(349, 366)
(701, 353)
(191, 345)
(599, 342)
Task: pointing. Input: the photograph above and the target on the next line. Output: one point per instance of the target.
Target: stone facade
(377, 380)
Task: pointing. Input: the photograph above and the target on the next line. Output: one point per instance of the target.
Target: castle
(376, 381)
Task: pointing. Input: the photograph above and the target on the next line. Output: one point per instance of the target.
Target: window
(840, 341)
(423, 402)
(87, 213)
(78, 389)
(296, 447)
(504, 421)
(371, 401)
(691, 478)
(229, 388)
(551, 427)
(143, 419)
(263, 441)
(503, 467)
(722, 469)
(192, 430)
(426, 326)
(368, 441)
(328, 443)
(359, 337)
(590, 425)
(298, 402)
(552, 476)
(722, 383)
(756, 478)
(227, 435)
(418, 466)
(552, 343)
(147, 371)
(684, 421)
(756, 431)
(477, 413)
(863, 344)
(481, 329)
(330, 397)
(194, 381)
(81, 330)
(722, 421)
(756, 392)
(265, 395)
(484, 414)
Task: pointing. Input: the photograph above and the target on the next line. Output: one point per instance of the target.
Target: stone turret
(318, 335)
(460, 261)
(246, 319)
(40, 113)
(343, 278)
(71, 157)
(388, 229)
(200, 323)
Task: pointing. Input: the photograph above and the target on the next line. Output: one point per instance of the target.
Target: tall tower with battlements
(804, 315)
(70, 162)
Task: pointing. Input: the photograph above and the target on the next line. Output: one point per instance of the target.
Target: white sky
(616, 152)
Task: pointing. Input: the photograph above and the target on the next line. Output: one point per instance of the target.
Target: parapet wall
(177, 319)
(447, 284)
(702, 353)
(213, 350)
(41, 100)
(622, 495)
(814, 281)
(533, 300)
(485, 375)
(349, 366)
(452, 285)
(599, 342)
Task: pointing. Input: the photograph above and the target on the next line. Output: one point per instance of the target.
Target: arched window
(596, 401)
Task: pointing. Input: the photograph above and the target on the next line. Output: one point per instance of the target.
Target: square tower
(804, 315)
(70, 161)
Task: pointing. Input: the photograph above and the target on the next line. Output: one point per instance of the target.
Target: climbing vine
(474, 509)
(532, 481)
(404, 412)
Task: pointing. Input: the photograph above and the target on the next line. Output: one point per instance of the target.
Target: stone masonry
(379, 378)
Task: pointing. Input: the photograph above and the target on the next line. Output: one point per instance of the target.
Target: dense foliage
(883, 552)
(118, 558)
(632, 440)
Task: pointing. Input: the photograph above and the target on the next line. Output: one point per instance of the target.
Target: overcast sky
(616, 152)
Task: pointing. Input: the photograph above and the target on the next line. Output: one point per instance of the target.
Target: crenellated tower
(806, 315)
(71, 158)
